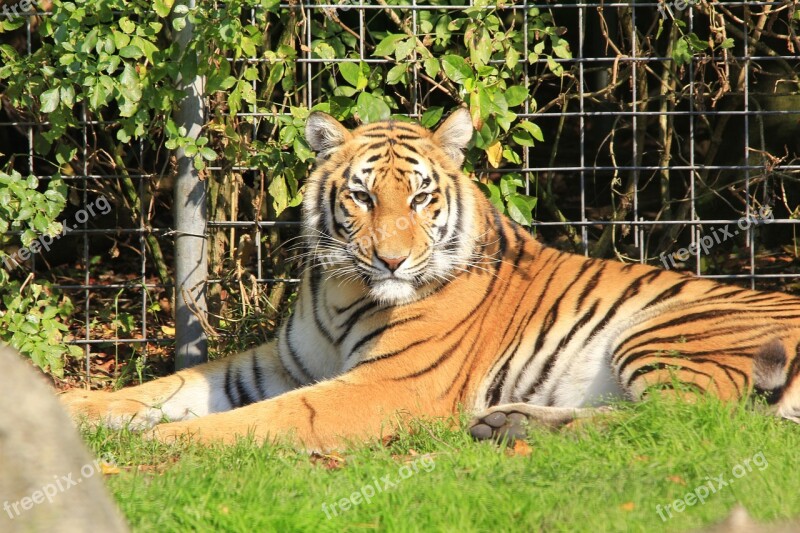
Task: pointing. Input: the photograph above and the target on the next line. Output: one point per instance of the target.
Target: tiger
(420, 300)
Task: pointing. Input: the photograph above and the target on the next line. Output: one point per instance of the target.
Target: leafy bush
(32, 316)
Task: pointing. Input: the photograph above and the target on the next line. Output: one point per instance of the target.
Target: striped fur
(419, 298)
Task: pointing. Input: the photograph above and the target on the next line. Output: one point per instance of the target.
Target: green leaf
(404, 49)
(431, 117)
(680, 53)
(324, 51)
(67, 95)
(280, 194)
(522, 138)
(126, 25)
(457, 69)
(533, 129)
(131, 52)
(728, 43)
(351, 72)
(432, 66)
(388, 45)
(561, 48)
(516, 95)
(163, 7)
(554, 66)
(397, 74)
(492, 192)
(509, 184)
(372, 108)
(208, 154)
(50, 100)
(520, 209)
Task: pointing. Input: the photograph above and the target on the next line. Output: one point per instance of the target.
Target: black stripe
(459, 226)
(590, 286)
(258, 377)
(466, 324)
(244, 395)
(496, 388)
(502, 242)
(682, 338)
(354, 318)
(389, 355)
(552, 314)
(293, 354)
(229, 389)
(498, 384)
(734, 351)
(312, 413)
(690, 317)
(551, 360)
(337, 226)
(371, 335)
(315, 291)
(667, 293)
(657, 365)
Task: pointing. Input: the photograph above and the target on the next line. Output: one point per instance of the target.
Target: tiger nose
(392, 263)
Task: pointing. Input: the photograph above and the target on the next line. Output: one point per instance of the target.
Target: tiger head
(388, 206)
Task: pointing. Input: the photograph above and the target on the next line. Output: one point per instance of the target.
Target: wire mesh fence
(671, 135)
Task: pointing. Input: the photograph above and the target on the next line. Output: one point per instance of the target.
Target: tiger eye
(362, 197)
(421, 198)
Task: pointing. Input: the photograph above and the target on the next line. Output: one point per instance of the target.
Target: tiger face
(387, 205)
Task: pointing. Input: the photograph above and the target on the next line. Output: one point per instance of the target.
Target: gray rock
(48, 480)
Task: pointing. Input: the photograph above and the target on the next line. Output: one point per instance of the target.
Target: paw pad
(500, 427)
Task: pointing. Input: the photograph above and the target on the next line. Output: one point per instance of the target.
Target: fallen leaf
(108, 469)
(329, 461)
(168, 330)
(522, 448)
(677, 480)
(628, 506)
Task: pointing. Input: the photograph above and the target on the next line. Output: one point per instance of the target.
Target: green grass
(605, 475)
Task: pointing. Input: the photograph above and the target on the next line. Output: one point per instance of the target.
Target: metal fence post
(191, 253)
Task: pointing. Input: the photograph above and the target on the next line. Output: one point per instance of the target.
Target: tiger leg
(682, 374)
(354, 407)
(198, 391)
(511, 421)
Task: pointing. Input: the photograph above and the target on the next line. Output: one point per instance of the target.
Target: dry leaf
(677, 480)
(329, 461)
(168, 330)
(495, 153)
(522, 448)
(628, 506)
(108, 469)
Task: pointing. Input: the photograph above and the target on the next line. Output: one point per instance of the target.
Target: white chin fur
(393, 291)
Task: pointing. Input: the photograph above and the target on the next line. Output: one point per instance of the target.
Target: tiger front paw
(108, 408)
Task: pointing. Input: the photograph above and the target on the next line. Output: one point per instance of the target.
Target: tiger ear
(455, 133)
(325, 134)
